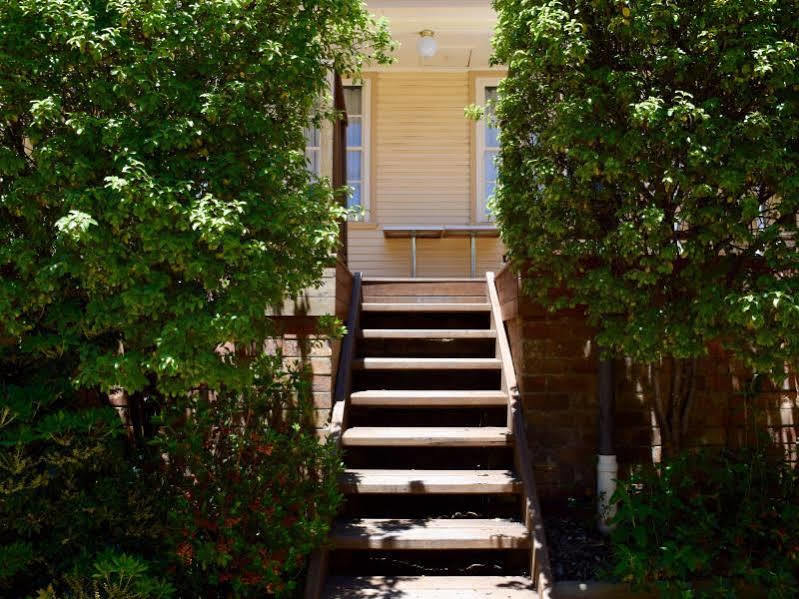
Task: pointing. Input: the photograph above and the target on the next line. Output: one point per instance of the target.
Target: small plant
(705, 524)
(254, 490)
(116, 576)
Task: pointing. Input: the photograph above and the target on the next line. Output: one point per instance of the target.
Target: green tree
(154, 197)
(649, 171)
(154, 202)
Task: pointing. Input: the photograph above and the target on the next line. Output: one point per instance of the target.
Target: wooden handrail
(509, 384)
(353, 324)
(317, 569)
(540, 568)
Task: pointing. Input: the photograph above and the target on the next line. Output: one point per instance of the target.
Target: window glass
(353, 100)
(354, 131)
(353, 167)
(490, 149)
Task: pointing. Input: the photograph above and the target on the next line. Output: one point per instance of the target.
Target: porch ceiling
(463, 30)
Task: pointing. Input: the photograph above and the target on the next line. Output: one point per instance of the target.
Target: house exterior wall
(556, 363)
(422, 173)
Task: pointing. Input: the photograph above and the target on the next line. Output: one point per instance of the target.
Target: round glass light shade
(427, 46)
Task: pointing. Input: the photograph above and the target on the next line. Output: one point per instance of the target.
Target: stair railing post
(540, 568)
(317, 568)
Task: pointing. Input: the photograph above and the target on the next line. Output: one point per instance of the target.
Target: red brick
(546, 401)
(572, 383)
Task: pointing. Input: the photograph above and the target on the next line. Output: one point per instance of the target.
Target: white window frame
(481, 83)
(366, 144)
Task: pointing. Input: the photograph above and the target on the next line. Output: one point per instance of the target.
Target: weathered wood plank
(466, 482)
(402, 399)
(430, 587)
(429, 533)
(427, 364)
(414, 289)
(426, 299)
(425, 307)
(428, 334)
(454, 436)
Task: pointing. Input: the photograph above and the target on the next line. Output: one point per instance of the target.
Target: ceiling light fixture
(427, 45)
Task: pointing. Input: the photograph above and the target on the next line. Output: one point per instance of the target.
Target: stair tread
(428, 334)
(402, 399)
(429, 533)
(427, 364)
(450, 436)
(429, 481)
(425, 307)
(430, 587)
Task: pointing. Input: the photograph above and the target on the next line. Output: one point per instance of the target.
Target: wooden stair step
(449, 436)
(464, 482)
(429, 533)
(429, 587)
(427, 364)
(428, 334)
(425, 307)
(369, 280)
(421, 399)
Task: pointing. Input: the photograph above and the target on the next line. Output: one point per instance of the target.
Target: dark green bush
(706, 523)
(253, 491)
(69, 488)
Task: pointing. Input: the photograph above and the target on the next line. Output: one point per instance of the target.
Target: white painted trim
(480, 84)
(366, 142)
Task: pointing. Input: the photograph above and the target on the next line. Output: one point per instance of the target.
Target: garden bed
(577, 550)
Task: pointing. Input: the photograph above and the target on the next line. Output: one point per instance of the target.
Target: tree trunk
(673, 405)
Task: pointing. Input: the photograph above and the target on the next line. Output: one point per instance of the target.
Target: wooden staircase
(440, 495)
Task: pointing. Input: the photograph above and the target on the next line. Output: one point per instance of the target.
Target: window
(357, 101)
(487, 148)
(313, 150)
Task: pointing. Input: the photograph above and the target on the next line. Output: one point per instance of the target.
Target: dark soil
(577, 550)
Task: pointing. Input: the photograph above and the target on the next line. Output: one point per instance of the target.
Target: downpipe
(607, 472)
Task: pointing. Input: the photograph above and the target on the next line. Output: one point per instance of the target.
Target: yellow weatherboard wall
(422, 174)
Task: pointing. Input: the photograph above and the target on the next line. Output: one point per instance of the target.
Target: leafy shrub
(647, 174)
(706, 522)
(116, 576)
(68, 488)
(154, 200)
(254, 490)
(154, 192)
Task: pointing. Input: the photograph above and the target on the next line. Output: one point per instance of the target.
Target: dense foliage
(649, 168)
(154, 202)
(154, 196)
(67, 489)
(253, 490)
(709, 524)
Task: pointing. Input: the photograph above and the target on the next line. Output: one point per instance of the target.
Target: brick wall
(556, 364)
(297, 326)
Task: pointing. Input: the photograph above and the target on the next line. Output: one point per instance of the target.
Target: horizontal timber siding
(422, 157)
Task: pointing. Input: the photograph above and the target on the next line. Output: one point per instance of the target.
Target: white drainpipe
(607, 471)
